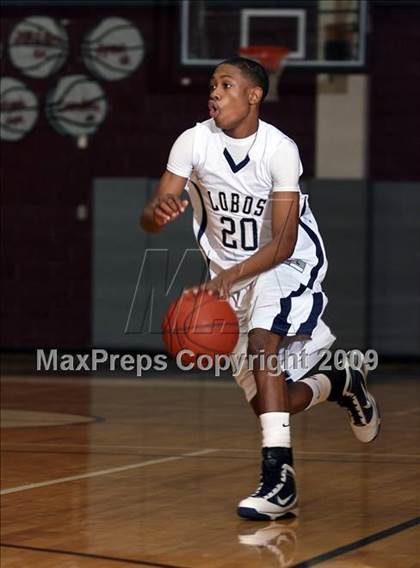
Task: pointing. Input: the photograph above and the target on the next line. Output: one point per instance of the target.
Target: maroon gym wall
(394, 139)
(46, 251)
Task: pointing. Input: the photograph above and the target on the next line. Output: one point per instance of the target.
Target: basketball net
(272, 59)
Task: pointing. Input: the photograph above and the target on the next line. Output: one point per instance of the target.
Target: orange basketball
(202, 323)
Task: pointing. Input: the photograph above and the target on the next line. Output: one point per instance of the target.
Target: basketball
(19, 109)
(76, 106)
(202, 323)
(113, 49)
(38, 46)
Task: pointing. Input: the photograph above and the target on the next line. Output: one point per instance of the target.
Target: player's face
(231, 96)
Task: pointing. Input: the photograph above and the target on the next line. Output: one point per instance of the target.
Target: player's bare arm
(166, 203)
(284, 220)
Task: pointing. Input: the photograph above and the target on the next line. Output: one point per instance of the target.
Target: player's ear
(255, 95)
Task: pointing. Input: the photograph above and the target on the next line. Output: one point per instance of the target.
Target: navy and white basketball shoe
(276, 495)
(362, 409)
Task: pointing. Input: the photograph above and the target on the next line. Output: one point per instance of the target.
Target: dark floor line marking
(87, 555)
(358, 544)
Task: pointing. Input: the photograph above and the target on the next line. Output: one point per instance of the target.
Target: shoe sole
(379, 418)
(248, 513)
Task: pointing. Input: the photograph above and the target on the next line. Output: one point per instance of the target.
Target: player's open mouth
(213, 110)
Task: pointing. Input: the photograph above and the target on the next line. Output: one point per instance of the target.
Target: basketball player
(265, 254)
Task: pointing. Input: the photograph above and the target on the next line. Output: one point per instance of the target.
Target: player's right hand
(168, 208)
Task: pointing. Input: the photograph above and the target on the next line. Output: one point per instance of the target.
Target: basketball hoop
(272, 59)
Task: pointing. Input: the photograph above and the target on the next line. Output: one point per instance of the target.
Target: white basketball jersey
(231, 201)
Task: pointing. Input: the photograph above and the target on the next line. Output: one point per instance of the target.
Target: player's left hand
(220, 285)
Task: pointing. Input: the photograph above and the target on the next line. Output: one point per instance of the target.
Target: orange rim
(270, 56)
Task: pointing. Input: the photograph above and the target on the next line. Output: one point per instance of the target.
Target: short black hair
(252, 69)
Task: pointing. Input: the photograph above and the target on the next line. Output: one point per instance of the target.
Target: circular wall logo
(113, 49)
(38, 46)
(18, 109)
(76, 106)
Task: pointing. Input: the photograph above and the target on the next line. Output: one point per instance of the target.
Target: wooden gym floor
(108, 472)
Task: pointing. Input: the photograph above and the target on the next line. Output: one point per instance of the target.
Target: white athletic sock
(321, 387)
(275, 429)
